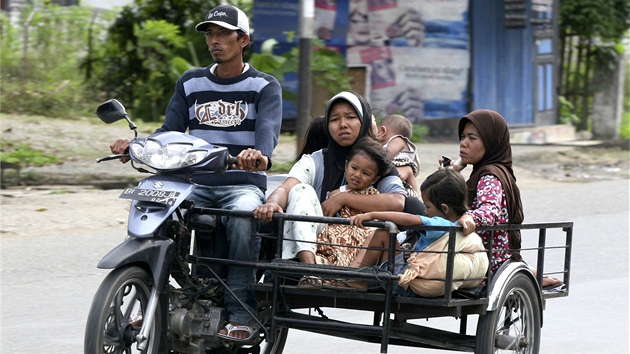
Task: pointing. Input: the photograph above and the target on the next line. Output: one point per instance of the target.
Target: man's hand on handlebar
(251, 160)
(120, 146)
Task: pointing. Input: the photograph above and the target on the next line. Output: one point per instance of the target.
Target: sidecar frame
(285, 297)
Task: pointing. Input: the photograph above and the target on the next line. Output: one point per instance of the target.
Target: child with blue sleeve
(445, 195)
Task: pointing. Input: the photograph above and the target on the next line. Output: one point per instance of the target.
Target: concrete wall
(608, 99)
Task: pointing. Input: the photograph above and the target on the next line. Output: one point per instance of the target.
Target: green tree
(40, 58)
(328, 65)
(606, 19)
(122, 67)
(157, 41)
(590, 35)
(139, 64)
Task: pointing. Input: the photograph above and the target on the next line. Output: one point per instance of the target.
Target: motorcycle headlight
(167, 157)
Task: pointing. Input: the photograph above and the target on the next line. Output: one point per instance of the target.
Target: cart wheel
(278, 346)
(514, 327)
(262, 347)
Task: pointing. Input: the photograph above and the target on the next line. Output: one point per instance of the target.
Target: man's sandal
(232, 328)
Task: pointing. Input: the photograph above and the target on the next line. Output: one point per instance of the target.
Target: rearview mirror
(111, 111)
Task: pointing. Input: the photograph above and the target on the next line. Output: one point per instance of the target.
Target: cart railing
(385, 303)
(277, 227)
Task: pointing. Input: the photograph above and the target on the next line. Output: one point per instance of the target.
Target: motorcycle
(165, 291)
(156, 299)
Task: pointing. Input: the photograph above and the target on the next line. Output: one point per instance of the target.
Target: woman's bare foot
(550, 282)
(547, 281)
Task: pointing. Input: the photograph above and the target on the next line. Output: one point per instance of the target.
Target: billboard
(417, 52)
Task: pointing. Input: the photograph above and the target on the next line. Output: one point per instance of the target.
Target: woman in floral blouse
(484, 143)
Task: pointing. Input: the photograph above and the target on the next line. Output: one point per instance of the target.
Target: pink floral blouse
(490, 208)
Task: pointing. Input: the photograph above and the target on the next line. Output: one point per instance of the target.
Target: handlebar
(231, 160)
(111, 157)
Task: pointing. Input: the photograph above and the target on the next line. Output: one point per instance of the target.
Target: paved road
(49, 278)
(594, 318)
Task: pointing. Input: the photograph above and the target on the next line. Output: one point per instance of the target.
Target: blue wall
(502, 64)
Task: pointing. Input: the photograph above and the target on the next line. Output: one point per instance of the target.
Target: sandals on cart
(341, 285)
(310, 282)
(315, 282)
(232, 328)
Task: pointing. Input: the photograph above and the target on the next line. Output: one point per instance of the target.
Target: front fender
(500, 280)
(158, 254)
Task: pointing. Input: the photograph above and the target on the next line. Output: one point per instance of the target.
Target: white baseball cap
(226, 16)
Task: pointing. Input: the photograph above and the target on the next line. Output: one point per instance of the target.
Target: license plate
(150, 195)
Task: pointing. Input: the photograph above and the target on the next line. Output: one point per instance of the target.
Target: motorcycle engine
(194, 323)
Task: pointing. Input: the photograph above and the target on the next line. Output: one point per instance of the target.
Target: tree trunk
(562, 53)
(567, 76)
(585, 92)
(576, 83)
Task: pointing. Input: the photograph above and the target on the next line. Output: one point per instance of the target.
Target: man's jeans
(238, 233)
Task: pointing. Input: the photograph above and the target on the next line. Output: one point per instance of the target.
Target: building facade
(435, 60)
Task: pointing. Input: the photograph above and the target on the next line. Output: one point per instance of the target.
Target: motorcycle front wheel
(116, 314)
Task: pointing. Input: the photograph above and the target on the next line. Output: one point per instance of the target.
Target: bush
(23, 155)
(47, 80)
(149, 45)
(327, 65)
(566, 111)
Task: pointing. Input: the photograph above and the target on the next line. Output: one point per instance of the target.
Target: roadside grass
(23, 154)
(38, 141)
(35, 141)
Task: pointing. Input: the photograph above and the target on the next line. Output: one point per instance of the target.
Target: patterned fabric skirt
(338, 244)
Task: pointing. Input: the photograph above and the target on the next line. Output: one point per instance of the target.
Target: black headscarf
(335, 155)
(497, 161)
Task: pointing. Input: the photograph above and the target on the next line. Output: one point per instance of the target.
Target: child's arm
(363, 202)
(398, 218)
(395, 146)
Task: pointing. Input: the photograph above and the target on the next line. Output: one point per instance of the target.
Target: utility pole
(307, 15)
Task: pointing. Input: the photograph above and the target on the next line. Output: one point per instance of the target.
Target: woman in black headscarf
(315, 183)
